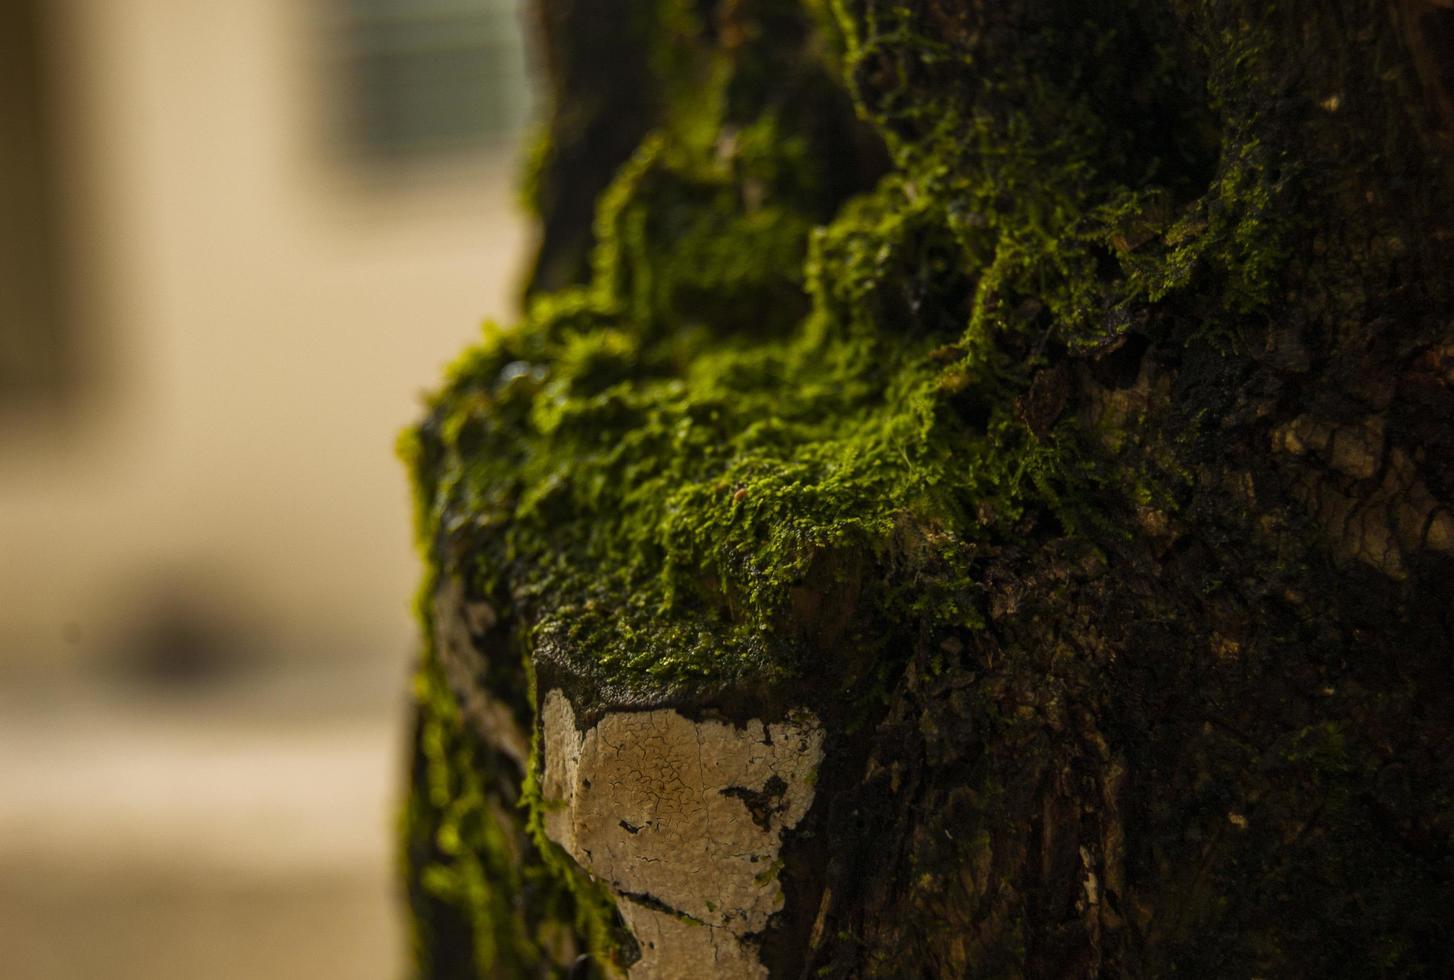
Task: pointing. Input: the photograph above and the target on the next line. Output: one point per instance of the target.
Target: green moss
(676, 477)
(665, 454)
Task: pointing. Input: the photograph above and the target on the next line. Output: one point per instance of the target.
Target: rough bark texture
(1043, 407)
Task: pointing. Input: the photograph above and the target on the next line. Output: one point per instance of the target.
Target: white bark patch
(684, 821)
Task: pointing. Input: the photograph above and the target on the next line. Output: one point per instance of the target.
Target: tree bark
(972, 495)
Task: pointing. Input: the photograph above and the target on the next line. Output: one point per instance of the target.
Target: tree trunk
(974, 501)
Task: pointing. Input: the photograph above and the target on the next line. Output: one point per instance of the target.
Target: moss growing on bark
(664, 454)
(666, 451)
(902, 324)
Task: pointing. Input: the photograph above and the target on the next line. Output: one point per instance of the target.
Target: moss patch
(655, 461)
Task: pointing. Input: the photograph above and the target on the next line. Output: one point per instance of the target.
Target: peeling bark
(660, 808)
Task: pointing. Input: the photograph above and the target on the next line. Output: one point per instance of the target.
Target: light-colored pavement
(236, 834)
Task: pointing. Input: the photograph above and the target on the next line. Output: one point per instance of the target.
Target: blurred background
(236, 241)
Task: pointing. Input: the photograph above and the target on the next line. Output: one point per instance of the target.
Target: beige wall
(262, 319)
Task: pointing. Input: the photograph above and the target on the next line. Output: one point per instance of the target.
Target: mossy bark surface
(1054, 401)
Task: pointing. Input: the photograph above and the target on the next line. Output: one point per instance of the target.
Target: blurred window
(34, 349)
(432, 77)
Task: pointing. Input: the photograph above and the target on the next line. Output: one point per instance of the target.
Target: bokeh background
(236, 242)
